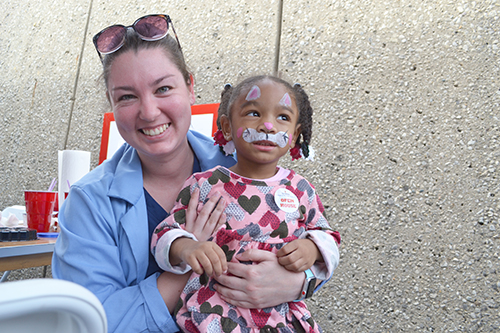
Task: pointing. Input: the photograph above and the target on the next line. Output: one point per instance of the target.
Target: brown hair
(135, 43)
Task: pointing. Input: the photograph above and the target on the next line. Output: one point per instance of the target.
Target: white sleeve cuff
(329, 251)
(162, 254)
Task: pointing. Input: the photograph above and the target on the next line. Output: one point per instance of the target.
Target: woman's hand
(263, 284)
(210, 218)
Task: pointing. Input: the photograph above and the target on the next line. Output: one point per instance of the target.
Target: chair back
(49, 306)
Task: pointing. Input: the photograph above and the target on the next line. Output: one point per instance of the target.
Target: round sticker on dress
(286, 200)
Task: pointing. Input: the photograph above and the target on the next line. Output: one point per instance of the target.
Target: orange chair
(203, 119)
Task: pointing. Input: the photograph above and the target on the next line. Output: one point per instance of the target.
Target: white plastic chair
(49, 305)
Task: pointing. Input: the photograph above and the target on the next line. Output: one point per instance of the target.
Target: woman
(109, 216)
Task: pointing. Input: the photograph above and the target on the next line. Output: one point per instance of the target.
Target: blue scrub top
(156, 214)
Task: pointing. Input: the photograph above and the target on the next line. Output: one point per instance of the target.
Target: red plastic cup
(39, 209)
(56, 206)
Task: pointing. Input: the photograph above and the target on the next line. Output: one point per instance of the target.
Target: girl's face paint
(262, 125)
(253, 94)
(252, 135)
(286, 100)
(239, 132)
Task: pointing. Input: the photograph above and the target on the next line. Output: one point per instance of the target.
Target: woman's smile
(155, 131)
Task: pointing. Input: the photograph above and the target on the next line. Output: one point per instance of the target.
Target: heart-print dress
(263, 214)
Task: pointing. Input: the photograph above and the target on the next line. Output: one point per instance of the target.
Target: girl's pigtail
(305, 120)
(225, 96)
(219, 139)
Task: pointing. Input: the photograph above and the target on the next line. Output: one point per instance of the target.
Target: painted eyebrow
(253, 102)
(247, 103)
(289, 109)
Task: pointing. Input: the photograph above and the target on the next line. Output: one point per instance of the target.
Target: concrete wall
(406, 98)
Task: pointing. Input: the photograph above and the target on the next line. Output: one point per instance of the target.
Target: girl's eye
(162, 90)
(253, 114)
(283, 117)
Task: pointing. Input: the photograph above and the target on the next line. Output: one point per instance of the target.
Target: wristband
(308, 287)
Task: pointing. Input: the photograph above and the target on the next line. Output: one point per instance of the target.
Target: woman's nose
(149, 110)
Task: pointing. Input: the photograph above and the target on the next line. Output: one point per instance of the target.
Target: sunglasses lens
(152, 27)
(111, 39)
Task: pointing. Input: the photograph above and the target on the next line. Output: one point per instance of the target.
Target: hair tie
(228, 86)
(297, 85)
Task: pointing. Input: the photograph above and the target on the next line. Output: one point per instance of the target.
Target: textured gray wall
(406, 98)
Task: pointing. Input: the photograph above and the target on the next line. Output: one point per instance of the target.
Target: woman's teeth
(156, 131)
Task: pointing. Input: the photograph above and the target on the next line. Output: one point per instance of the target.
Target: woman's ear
(225, 125)
(192, 98)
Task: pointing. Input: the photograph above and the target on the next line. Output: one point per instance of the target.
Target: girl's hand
(205, 257)
(260, 285)
(209, 219)
(299, 255)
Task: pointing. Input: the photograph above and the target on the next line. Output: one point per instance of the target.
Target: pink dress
(263, 214)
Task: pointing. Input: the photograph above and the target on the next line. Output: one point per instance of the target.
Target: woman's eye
(162, 90)
(125, 97)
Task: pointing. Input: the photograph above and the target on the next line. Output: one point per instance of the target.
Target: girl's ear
(225, 125)
(296, 134)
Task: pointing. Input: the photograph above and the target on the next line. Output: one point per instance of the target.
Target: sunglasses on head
(149, 28)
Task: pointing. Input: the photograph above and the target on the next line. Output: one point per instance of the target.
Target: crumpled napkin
(10, 221)
(13, 216)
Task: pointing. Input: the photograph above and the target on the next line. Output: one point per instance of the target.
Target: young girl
(267, 207)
